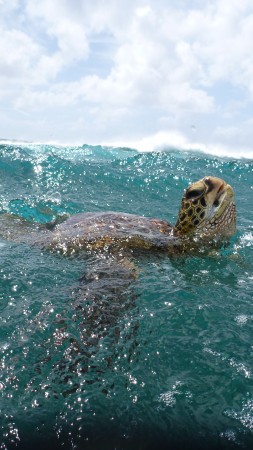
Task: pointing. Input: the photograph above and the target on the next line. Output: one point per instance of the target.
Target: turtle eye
(193, 193)
(216, 202)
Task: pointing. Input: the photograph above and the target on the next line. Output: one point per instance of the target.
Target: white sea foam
(163, 141)
(158, 142)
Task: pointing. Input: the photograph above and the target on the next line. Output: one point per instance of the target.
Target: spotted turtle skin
(207, 208)
(207, 211)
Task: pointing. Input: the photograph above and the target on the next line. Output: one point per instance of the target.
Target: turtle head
(208, 209)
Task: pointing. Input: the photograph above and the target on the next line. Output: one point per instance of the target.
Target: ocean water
(173, 367)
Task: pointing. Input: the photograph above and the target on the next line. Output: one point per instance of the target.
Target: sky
(138, 73)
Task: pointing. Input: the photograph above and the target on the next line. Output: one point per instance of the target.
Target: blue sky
(128, 72)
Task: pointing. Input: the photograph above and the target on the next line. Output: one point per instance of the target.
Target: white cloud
(55, 18)
(17, 53)
(165, 64)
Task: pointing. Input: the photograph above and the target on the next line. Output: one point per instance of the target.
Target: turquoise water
(174, 367)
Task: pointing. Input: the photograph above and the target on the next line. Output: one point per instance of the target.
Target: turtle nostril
(210, 185)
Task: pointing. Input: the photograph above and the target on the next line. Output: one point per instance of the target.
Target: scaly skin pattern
(207, 212)
(207, 209)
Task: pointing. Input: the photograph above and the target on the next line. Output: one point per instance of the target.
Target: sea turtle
(207, 216)
(207, 213)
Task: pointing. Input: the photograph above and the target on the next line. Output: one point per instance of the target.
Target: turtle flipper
(59, 219)
(15, 228)
(93, 324)
(105, 292)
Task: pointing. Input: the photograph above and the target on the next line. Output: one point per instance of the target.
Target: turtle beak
(218, 192)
